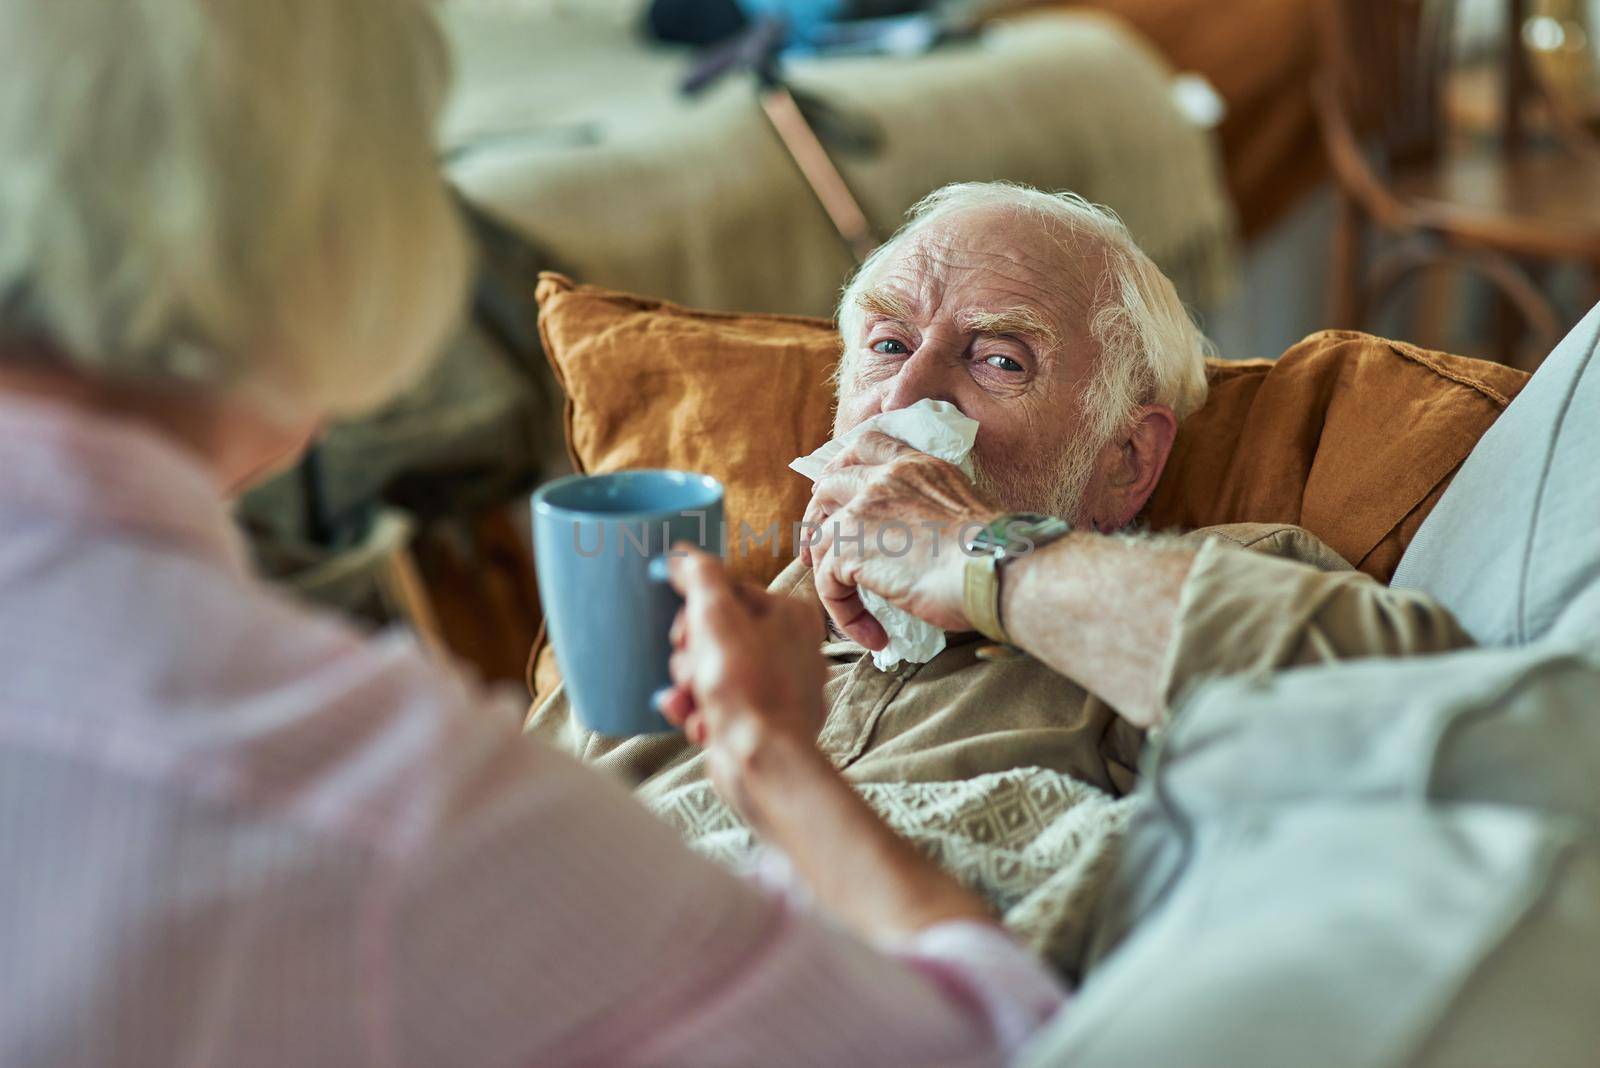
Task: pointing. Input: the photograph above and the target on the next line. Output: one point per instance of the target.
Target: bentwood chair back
(1417, 190)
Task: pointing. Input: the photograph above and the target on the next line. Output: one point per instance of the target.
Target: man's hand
(892, 520)
(747, 675)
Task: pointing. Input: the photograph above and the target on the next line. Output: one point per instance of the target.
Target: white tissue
(939, 429)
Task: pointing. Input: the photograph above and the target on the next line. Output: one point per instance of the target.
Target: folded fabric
(1365, 864)
(939, 429)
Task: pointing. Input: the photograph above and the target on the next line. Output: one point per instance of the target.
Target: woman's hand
(892, 520)
(747, 676)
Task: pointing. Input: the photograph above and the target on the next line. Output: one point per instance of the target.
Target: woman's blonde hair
(237, 194)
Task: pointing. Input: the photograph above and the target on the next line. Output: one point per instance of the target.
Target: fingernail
(659, 570)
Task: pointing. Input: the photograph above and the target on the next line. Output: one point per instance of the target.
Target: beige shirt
(1290, 601)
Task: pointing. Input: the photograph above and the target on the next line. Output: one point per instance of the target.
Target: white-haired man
(1036, 315)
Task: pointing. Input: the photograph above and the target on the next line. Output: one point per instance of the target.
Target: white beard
(1049, 485)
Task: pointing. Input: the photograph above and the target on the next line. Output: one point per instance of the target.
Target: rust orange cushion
(650, 384)
(1351, 436)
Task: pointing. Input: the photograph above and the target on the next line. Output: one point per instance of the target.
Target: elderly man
(1037, 316)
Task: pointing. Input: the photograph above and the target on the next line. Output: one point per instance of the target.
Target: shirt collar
(86, 469)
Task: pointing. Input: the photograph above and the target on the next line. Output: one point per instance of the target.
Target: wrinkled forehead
(981, 264)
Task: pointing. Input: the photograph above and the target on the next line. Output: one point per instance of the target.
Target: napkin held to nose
(939, 429)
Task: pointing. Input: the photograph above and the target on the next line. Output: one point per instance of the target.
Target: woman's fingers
(691, 569)
(712, 604)
(680, 667)
(695, 729)
(754, 596)
(676, 705)
(729, 640)
(802, 617)
(721, 616)
(678, 635)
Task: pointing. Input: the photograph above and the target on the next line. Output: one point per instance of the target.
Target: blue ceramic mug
(607, 607)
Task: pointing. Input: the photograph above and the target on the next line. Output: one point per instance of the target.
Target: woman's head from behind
(238, 196)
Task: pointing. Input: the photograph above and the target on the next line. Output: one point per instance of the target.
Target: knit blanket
(1039, 846)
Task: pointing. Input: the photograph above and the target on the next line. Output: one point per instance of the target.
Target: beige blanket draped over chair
(570, 128)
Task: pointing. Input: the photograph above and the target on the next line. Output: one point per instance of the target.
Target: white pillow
(1515, 540)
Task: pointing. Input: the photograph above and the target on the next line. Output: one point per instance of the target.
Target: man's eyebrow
(886, 303)
(1017, 321)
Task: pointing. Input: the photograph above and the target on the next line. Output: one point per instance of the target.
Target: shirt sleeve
(547, 918)
(1248, 612)
(980, 966)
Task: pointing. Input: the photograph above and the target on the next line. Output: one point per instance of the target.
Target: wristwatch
(1007, 538)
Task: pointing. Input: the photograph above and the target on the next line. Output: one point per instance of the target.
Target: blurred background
(1423, 169)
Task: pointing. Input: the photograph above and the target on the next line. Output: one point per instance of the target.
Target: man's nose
(930, 373)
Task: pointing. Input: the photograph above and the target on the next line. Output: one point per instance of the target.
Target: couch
(1375, 863)
(1354, 437)
(1390, 863)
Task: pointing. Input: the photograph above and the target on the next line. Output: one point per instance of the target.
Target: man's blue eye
(1004, 363)
(897, 349)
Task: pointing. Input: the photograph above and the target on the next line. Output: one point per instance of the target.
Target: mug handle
(656, 572)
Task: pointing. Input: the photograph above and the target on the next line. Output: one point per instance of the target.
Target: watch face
(1020, 531)
(988, 540)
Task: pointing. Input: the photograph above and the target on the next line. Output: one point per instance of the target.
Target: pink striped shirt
(233, 831)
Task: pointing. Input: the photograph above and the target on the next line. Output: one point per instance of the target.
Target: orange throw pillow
(1350, 436)
(651, 384)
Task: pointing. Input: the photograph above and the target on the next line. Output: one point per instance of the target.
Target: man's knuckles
(873, 446)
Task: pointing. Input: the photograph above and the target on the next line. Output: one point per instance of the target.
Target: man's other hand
(892, 520)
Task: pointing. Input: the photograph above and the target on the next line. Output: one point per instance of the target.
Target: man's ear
(1134, 463)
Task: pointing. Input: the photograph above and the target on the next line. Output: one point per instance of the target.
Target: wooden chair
(1502, 205)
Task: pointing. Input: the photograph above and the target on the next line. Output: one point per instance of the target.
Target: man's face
(985, 310)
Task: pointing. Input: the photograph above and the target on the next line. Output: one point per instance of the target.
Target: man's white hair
(1150, 351)
(237, 194)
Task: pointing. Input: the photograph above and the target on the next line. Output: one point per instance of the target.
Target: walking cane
(757, 50)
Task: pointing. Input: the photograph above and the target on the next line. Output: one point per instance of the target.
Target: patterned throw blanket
(1039, 846)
